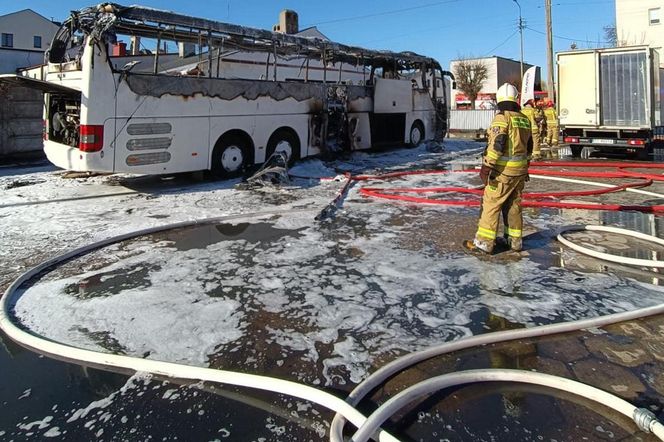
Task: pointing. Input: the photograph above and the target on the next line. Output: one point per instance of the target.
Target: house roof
(492, 57)
(312, 31)
(31, 12)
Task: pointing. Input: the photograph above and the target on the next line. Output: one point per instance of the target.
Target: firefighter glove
(485, 171)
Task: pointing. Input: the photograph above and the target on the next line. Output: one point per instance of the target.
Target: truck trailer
(610, 100)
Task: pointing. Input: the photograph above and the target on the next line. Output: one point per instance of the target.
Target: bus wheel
(416, 134)
(229, 157)
(284, 140)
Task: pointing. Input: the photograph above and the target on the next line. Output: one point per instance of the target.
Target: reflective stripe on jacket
(507, 148)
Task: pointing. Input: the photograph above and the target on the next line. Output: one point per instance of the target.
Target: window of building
(7, 40)
(37, 41)
(653, 16)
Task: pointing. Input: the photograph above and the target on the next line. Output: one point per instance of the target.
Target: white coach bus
(214, 96)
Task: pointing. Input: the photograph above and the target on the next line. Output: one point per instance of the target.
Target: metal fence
(471, 119)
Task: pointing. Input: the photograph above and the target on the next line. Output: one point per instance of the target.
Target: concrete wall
(10, 60)
(633, 25)
(20, 108)
(20, 120)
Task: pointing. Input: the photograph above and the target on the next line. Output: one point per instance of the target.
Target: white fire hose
(345, 409)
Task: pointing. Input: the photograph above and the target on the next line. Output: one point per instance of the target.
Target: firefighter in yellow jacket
(551, 124)
(533, 114)
(504, 173)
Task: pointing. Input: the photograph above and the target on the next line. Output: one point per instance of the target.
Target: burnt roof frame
(147, 22)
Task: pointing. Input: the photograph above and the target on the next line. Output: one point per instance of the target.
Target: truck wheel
(576, 151)
(230, 156)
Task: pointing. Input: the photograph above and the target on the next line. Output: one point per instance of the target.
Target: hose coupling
(644, 418)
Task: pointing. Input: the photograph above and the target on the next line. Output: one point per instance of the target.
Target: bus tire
(230, 156)
(284, 140)
(416, 134)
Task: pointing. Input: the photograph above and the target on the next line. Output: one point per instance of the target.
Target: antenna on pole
(522, 25)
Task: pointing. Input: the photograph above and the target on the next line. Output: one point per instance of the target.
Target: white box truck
(611, 100)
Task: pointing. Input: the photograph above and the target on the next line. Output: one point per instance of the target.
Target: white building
(500, 70)
(640, 22)
(24, 36)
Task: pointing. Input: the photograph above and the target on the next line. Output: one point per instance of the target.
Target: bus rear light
(636, 142)
(92, 138)
(572, 140)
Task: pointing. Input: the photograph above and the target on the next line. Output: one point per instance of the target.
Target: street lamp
(521, 26)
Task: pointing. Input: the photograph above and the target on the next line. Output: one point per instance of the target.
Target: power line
(436, 28)
(580, 3)
(378, 14)
(565, 38)
(489, 53)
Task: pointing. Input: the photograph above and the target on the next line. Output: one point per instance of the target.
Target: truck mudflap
(32, 83)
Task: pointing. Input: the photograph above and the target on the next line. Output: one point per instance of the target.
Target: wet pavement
(325, 304)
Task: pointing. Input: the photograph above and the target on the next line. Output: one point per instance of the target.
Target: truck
(610, 100)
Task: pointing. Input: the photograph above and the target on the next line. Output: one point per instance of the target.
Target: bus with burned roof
(192, 94)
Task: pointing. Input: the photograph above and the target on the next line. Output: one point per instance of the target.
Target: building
(25, 35)
(500, 70)
(640, 22)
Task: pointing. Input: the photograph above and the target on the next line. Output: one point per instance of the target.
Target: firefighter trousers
(551, 135)
(501, 196)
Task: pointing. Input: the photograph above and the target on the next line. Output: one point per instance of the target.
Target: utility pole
(521, 26)
(549, 52)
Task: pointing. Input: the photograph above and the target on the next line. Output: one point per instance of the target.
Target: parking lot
(323, 303)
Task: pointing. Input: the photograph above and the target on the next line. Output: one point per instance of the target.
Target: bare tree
(470, 75)
(611, 36)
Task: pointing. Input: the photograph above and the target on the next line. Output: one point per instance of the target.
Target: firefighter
(529, 111)
(551, 125)
(504, 173)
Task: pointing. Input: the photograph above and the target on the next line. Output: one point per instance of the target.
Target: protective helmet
(507, 92)
(549, 103)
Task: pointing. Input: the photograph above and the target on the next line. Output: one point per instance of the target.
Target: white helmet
(507, 92)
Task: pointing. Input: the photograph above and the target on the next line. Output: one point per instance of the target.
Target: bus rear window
(67, 45)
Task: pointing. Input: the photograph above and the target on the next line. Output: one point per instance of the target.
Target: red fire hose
(531, 199)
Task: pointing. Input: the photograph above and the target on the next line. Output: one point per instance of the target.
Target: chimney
(288, 23)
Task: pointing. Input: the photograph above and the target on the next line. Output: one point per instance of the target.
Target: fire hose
(346, 410)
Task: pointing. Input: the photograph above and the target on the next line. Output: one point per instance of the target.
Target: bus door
(393, 100)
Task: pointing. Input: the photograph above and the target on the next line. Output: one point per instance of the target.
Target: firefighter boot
(478, 246)
(516, 244)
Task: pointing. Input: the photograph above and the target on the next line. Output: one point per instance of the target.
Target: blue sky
(443, 29)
